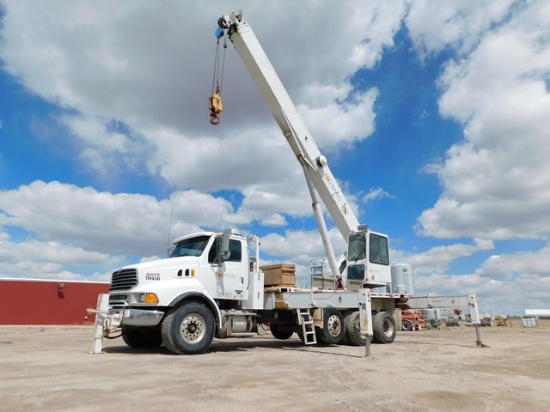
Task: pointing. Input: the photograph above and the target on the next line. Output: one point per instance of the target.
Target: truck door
(379, 271)
(231, 271)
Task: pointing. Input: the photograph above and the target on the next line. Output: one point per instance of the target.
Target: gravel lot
(51, 369)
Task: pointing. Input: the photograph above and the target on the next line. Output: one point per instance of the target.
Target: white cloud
(106, 65)
(438, 259)
(106, 69)
(335, 123)
(63, 254)
(534, 265)
(496, 182)
(129, 224)
(505, 284)
(275, 220)
(436, 26)
(300, 247)
(376, 193)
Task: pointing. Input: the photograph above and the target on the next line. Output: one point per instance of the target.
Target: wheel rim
(193, 328)
(388, 328)
(334, 325)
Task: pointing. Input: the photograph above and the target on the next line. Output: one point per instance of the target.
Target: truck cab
(217, 264)
(221, 264)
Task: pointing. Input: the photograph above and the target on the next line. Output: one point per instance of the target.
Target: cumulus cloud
(104, 66)
(496, 181)
(504, 284)
(436, 26)
(533, 265)
(135, 99)
(376, 193)
(101, 221)
(330, 123)
(299, 247)
(439, 258)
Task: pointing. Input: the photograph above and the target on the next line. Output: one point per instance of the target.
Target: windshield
(190, 247)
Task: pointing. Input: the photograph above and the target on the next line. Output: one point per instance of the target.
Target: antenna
(169, 229)
(223, 204)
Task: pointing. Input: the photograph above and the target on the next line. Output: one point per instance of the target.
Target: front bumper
(139, 317)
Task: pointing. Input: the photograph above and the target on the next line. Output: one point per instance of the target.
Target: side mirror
(224, 252)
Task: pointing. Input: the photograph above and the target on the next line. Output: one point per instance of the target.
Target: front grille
(124, 279)
(118, 301)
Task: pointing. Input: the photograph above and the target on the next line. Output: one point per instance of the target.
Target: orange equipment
(411, 320)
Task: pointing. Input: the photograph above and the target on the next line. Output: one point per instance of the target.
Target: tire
(383, 325)
(406, 325)
(345, 339)
(280, 331)
(333, 327)
(141, 337)
(353, 330)
(188, 329)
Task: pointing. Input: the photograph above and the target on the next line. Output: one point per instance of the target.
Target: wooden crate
(279, 275)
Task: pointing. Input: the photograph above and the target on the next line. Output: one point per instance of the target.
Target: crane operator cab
(368, 259)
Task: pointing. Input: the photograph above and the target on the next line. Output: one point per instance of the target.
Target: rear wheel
(141, 337)
(188, 329)
(353, 330)
(383, 325)
(406, 325)
(280, 331)
(333, 327)
(345, 339)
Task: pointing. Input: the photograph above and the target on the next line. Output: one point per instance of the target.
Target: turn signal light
(150, 298)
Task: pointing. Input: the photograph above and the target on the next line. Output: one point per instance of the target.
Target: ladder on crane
(308, 329)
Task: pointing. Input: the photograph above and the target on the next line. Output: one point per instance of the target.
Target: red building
(48, 302)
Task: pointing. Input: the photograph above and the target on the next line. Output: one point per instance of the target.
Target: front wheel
(141, 337)
(188, 329)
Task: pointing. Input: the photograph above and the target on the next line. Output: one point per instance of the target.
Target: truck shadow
(243, 345)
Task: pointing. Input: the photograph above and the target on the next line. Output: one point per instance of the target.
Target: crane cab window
(235, 247)
(357, 244)
(378, 251)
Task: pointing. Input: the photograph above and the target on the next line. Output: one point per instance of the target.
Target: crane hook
(215, 103)
(215, 120)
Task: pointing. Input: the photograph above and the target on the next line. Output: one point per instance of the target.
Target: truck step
(241, 335)
(308, 328)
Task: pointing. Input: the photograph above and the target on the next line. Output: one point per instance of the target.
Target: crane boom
(289, 120)
(368, 258)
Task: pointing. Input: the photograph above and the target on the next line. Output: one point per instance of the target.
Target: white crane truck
(211, 285)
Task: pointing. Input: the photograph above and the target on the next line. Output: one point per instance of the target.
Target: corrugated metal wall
(47, 302)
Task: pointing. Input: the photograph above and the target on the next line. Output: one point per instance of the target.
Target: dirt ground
(51, 369)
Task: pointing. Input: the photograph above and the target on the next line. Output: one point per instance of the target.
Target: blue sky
(433, 116)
